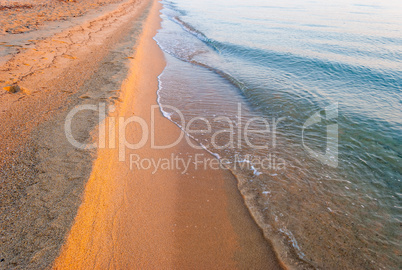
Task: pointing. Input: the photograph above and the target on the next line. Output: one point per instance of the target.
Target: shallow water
(325, 79)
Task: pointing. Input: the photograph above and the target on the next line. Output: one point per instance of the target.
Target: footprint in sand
(69, 56)
(59, 41)
(117, 99)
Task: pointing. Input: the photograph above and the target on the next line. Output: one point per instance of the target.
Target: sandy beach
(63, 207)
(28, 15)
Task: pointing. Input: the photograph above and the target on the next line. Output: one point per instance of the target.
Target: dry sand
(42, 176)
(19, 16)
(126, 219)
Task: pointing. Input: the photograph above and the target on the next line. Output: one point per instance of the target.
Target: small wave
(231, 79)
(195, 32)
(299, 64)
(169, 116)
(186, 26)
(174, 7)
(293, 242)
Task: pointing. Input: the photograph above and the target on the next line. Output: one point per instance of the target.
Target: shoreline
(168, 219)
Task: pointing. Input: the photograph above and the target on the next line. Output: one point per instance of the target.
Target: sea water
(320, 83)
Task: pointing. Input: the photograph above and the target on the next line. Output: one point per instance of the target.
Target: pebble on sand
(12, 88)
(16, 88)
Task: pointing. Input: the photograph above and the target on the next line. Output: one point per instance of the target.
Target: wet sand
(107, 214)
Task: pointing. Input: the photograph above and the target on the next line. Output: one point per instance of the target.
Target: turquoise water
(335, 200)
